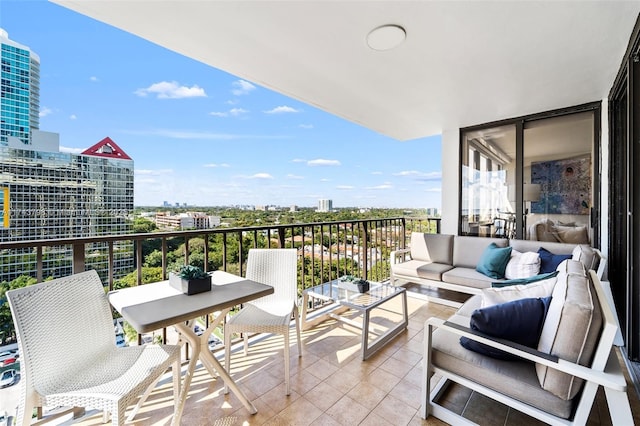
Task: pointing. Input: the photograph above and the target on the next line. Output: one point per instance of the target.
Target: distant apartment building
(433, 212)
(47, 194)
(325, 205)
(188, 220)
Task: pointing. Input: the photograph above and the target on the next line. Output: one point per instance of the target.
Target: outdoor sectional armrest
(609, 380)
(399, 254)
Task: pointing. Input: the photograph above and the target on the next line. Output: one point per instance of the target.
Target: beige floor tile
(331, 385)
(348, 411)
(395, 411)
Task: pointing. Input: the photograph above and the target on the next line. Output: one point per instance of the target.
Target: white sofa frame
(604, 371)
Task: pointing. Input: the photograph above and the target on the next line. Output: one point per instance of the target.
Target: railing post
(365, 249)
(39, 264)
(206, 253)
(139, 261)
(78, 258)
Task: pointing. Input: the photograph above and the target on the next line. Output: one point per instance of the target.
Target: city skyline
(205, 137)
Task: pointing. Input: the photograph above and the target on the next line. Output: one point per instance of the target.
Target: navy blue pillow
(549, 261)
(519, 321)
(528, 280)
(494, 261)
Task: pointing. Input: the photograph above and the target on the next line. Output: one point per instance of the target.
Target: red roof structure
(106, 148)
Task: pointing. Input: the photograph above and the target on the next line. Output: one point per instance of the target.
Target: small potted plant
(190, 280)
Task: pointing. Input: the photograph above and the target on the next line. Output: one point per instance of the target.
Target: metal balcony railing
(326, 250)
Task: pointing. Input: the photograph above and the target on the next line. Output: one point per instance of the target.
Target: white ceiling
(462, 63)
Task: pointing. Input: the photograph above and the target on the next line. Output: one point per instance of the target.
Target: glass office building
(19, 89)
(61, 195)
(48, 194)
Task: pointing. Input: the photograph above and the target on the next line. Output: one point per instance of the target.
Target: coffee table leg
(367, 350)
(365, 334)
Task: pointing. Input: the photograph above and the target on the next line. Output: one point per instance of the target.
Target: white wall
(450, 184)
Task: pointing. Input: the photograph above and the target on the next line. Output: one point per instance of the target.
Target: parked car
(7, 358)
(8, 378)
(213, 342)
(4, 418)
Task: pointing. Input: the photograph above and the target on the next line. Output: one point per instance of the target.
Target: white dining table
(154, 306)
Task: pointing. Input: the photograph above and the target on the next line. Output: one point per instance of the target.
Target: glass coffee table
(343, 296)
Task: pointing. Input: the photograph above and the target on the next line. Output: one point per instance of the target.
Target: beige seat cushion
(571, 329)
(421, 269)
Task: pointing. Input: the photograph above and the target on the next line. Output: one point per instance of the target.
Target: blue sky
(202, 136)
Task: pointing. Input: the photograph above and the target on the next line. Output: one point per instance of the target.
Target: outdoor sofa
(551, 373)
(452, 262)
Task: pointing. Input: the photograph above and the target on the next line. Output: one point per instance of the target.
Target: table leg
(209, 361)
(190, 336)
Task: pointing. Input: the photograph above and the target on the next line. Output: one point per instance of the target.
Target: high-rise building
(47, 194)
(61, 195)
(325, 205)
(20, 90)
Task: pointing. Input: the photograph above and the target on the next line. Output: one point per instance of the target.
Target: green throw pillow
(528, 280)
(494, 261)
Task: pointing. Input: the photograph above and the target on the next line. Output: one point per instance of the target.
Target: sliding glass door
(532, 177)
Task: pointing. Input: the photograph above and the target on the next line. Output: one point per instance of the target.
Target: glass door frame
(519, 123)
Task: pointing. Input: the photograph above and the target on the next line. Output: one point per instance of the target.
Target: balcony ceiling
(462, 63)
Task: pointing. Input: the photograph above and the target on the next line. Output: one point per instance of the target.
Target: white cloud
(290, 176)
(71, 150)
(306, 126)
(376, 173)
(73, 117)
(213, 165)
(234, 112)
(323, 162)
(242, 87)
(93, 78)
(325, 180)
(281, 109)
(298, 160)
(237, 111)
(180, 134)
(260, 176)
(151, 172)
(345, 187)
(422, 176)
(171, 90)
(380, 187)
(44, 111)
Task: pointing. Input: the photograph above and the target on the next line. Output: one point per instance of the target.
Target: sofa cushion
(522, 265)
(515, 378)
(494, 261)
(437, 248)
(572, 234)
(519, 321)
(528, 280)
(549, 261)
(468, 250)
(496, 296)
(586, 255)
(468, 277)
(571, 330)
(420, 269)
(554, 247)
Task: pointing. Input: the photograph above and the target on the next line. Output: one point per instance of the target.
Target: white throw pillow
(522, 265)
(496, 296)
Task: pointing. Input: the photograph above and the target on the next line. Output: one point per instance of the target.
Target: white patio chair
(269, 314)
(68, 354)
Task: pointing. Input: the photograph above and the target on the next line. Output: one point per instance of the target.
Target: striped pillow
(522, 265)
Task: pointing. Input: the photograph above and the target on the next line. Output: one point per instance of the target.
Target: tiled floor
(331, 385)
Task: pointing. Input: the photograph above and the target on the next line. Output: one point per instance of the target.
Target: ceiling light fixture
(386, 37)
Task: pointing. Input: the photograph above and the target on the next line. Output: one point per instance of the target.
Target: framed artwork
(565, 185)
